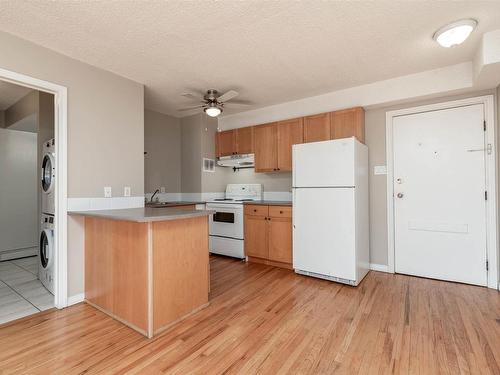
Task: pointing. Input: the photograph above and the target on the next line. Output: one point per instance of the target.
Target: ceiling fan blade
(240, 102)
(227, 96)
(191, 108)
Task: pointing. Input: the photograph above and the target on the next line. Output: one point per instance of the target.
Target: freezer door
(324, 164)
(324, 231)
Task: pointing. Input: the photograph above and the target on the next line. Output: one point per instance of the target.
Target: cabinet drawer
(280, 211)
(256, 210)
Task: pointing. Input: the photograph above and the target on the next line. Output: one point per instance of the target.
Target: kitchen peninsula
(147, 267)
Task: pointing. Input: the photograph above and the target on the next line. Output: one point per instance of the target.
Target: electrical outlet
(107, 192)
(126, 191)
(162, 190)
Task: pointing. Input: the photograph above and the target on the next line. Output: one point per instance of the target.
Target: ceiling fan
(213, 102)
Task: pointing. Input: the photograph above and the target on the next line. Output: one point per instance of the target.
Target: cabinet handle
(281, 212)
(254, 210)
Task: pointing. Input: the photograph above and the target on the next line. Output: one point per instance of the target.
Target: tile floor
(21, 293)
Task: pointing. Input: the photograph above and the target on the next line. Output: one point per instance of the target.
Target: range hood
(237, 161)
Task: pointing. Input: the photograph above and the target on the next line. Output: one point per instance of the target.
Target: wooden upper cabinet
(317, 128)
(244, 140)
(265, 147)
(290, 132)
(348, 123)
(225, 143)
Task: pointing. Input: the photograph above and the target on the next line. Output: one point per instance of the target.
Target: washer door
(46, 249)
(48, 173)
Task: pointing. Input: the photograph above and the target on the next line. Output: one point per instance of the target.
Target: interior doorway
(26, 240)
(51, 238)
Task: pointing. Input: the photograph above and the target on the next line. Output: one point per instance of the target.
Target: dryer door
(48, 173)
(46, 249)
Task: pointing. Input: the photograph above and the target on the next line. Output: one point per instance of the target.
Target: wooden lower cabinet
(256, 236)
(280, 239)
(268, 235)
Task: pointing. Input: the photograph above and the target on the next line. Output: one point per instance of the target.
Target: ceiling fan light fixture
(213, 110)
(455, 33)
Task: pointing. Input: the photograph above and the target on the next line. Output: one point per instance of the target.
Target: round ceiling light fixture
(213, 110)
(455, 33)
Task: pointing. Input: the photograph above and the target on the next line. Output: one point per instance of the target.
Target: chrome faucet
(156, 192)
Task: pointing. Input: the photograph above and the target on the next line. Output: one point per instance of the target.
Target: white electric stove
(226, 227)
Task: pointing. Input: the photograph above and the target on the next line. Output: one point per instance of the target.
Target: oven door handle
(225, 207)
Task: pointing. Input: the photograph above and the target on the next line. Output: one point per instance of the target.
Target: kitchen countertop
(144, 214)
(270, 203)
(171, 204)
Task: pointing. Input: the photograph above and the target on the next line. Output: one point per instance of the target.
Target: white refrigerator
(330, 210)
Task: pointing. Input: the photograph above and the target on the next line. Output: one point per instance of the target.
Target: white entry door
(439, 194)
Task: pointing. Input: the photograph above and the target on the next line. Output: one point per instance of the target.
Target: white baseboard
(77, 298)
(379, 267)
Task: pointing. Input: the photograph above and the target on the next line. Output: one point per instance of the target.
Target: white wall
(18, 190)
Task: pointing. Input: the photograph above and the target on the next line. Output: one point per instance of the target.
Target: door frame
(60, 127)
(491, 172)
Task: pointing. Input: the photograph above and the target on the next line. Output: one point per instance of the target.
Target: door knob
(400, 195)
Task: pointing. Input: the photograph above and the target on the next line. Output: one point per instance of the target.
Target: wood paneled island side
(147, 267)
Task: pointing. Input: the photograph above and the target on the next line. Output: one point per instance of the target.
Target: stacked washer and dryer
(46, 244)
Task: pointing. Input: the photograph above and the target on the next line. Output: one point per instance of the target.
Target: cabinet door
(348, 123)
(280, 239)
(290, 132)
(256, 236)
(265, 145)
(244, 140)
(226, 143)
(317, 128)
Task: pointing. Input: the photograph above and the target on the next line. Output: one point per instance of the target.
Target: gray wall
(105, 118)
(191, 153)
(199, 131)
(24, 107)
(211, 182)
(105, 130)
(18, 190)
(375, 140)
(162, 142)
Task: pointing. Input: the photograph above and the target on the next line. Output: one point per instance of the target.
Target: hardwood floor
(270, 320)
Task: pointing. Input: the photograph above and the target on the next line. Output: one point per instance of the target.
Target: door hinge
(485, 195)
(487, 266)
(484, 125)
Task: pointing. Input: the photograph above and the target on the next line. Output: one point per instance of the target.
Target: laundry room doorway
(33, 217)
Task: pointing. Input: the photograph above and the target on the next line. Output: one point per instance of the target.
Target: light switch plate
(380, 169)
(107, 192)
(126, 191)
(162, 190)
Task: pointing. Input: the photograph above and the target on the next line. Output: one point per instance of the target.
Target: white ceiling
(10, 94)
(271, 52)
